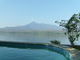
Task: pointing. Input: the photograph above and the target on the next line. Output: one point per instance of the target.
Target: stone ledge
(74, 53)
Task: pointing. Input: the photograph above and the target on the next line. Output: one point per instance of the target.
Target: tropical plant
(55, 41)
(71, 28)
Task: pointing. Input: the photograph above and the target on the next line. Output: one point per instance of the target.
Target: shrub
(55, 42)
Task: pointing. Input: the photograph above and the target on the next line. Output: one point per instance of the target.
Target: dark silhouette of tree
(71, 28)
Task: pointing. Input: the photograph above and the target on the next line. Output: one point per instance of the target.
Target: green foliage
(72, 27)
(55, 41)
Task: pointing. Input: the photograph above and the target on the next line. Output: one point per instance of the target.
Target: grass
(77, 48)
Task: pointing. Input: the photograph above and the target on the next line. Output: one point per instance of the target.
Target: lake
(35, 37)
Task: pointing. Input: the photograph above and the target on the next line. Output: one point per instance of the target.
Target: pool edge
(57, 48)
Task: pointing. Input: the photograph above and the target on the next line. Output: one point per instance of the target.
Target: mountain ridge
(33, 26)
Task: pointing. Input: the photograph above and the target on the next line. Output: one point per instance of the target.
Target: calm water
(41, 37)
(8, 53)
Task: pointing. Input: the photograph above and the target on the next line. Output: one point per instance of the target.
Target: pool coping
(74, 53)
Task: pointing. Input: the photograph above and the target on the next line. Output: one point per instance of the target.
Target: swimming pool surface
(31, 51)
(10, 53)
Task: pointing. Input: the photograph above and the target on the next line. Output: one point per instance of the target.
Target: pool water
(10, 53)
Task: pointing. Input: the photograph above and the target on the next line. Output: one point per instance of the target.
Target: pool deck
(74, 53)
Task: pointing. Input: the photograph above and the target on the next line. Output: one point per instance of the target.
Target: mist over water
(40, 37)
(34, 37)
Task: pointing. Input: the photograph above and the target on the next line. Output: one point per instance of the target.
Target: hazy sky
(21, 12)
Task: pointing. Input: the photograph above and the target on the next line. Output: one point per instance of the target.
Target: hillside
(33, 26)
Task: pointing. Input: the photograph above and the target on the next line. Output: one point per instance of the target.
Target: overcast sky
(22, 12)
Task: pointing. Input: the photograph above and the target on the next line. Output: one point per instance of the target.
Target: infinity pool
(21, 51)
(7, 53)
